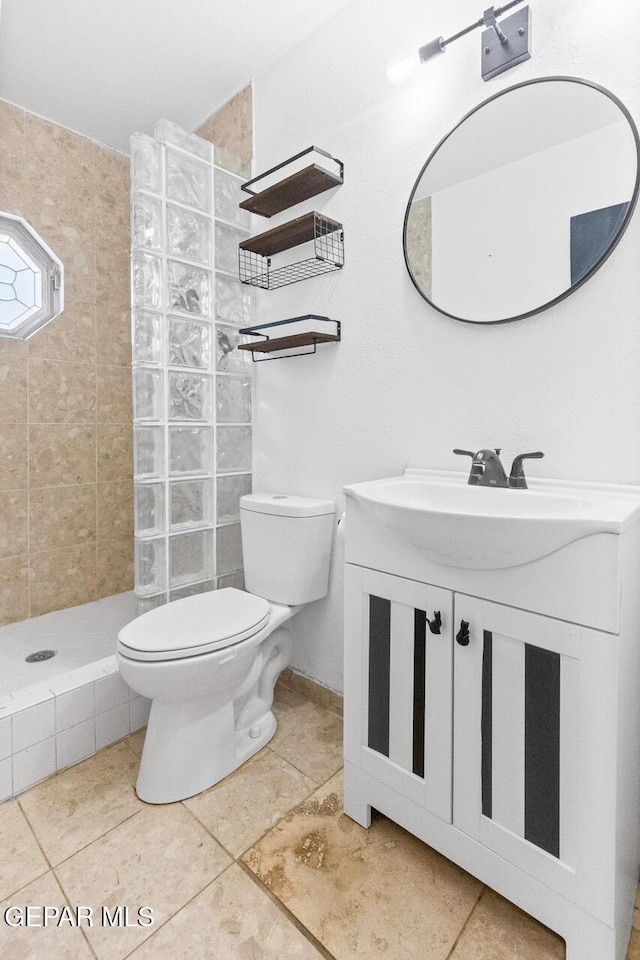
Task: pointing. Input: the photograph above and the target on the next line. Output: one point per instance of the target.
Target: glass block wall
(192, 388)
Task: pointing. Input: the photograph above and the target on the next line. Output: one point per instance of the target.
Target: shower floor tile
(79, 635)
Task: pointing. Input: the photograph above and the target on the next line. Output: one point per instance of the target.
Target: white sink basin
(488, 528)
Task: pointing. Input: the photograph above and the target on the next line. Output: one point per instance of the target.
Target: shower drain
(40, 655)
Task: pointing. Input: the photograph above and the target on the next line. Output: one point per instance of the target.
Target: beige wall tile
(115, 510)
(22, 860)
(11, 158)
(13, 456)
(14, 589)
(114, 395)
(62, 578)
(81, 803)
(61, 516)
(13, 389)
(59, 180)
(115, 566)
(62, 454)
(13, 523)
(75, 193)
(61, 392)
(71, 336)
(231, 127)
(115, 451)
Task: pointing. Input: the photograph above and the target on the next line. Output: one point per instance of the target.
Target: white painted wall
(407, 384)
(473, 223)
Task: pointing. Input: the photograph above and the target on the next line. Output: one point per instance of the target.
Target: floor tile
(42, 943)
(634, 946)
(231, 920)
(377, 893)
(160, 858)
(498, 930)
(241, 808)
(22, 860)
(80, 804)
(136, 741)
(308, 737)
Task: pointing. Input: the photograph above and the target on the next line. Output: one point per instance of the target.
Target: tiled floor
(263, 866)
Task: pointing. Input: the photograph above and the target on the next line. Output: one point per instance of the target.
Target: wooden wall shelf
(287, 235)
(304, 332)
(298, 186)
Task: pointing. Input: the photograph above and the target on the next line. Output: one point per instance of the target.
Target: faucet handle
(517, 478)
(464, 453)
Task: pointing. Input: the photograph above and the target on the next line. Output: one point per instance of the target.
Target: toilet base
(192, 745)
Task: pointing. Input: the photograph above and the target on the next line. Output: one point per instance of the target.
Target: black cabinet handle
(436, 623)
(462, 636)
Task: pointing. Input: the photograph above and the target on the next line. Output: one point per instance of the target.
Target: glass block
(188, 180)
(228, 358)
(188, 235)
(149, 509)
(149, 452)
(172, 133)
(231, 580)
(188, 289)
(144, 604)
(190, 451)
(145, 163)
(227, 196)
(147, 338)
(191, 503)
(233, 399)
(234, 302)
(233, 449)
(147, 286)
(229, 490)
(189, 396)
(228, 548)
(150, 566)
(204, 587)
(227, 240)
(229, 161)
(147, 223)
(189, 343)
(147, 394)
(190, 557)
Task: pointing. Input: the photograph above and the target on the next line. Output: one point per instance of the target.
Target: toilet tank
(286, 543)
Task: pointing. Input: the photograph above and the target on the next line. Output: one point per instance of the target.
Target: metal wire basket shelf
(325, 240)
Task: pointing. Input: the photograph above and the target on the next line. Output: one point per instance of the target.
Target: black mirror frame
(625, 223)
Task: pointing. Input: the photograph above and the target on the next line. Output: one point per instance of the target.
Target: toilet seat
(194, 625)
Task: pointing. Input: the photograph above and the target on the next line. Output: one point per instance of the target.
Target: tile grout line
(454, 946)
(68, 899)
(35, 835)
(284, 910)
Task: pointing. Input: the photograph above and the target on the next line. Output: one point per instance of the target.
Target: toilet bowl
(209, 662)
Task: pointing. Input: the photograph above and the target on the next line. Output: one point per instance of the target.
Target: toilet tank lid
(285, 505)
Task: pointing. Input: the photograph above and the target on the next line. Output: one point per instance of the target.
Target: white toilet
(209, 662)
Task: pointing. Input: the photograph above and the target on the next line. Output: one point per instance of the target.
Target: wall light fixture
(504, 44)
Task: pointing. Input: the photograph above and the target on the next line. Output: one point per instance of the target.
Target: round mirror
(523, 201)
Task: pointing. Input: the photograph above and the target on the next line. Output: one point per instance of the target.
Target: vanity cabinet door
(534, 738)
(398, 680)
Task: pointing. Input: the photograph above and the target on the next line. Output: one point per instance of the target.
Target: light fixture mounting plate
(497, 56)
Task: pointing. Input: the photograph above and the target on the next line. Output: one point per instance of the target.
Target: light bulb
(401, 68)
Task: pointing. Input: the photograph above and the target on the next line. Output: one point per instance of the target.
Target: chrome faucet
(487, 469)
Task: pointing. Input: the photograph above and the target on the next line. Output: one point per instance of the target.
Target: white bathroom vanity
(492, 687)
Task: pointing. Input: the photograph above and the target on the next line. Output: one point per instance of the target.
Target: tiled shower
(192, 387)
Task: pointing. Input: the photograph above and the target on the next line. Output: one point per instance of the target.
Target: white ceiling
(107, 69)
